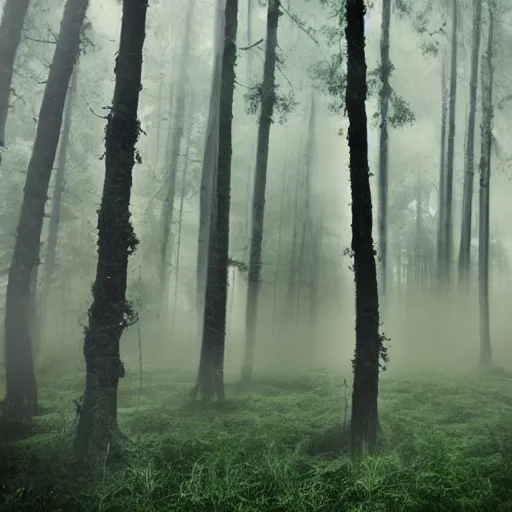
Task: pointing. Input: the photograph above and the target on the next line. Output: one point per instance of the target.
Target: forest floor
(446, 446)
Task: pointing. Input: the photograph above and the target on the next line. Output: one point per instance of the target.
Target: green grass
(446, 446)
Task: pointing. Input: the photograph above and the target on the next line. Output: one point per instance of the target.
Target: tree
(11, 28)
(487, 83)
(53, 225)
(467, 198)
(268, 98)
(210, 378)
(364, 420)
(110, 313)
(21, 392)
(384, 95)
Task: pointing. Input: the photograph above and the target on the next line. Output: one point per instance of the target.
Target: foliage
(284, 104)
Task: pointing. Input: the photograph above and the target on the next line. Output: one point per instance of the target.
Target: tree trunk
(110, 313)
(210, 379)
(485, 175)
(467, 198)
(210, 160)
(53, 225)
(177, 135)
(450, 152)
(364, 420)
(268, 96)
(21, 393)
(384, 94)
(11, 28)
(441, 202)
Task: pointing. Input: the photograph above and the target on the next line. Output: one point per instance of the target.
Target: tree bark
(484, 196)
(110, 313)
(21, 393)
(268, 96)
(11, 29)
(210, 379)
(384, 94)
(467, 197)
(53, 225)
(364, 421)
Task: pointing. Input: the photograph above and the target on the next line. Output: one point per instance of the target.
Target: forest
(255, 255)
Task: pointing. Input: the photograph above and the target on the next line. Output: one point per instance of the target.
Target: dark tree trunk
(11, 28)
(53, 225)
(210, 161)
(210, 379)
(260, 182)
(384, 94)
(484, 201)
(176, 138)
(110, 313)
(467, 198)
(364, 421)
(21, 385)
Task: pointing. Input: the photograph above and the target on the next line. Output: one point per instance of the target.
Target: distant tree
(210, 378)
(268, 98)
(21, 392)
(364, 420)
(11, 29)
(487, 78)
(110, 313)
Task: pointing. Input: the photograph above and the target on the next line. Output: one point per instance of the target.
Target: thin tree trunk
(364, 420)
(180, 215)
(450, 151)
(53, 227)
(21, 393)
(484, 199)
(177, 135)
(260, 181)
(384, 94)
(110, 313)
(11, 28)
(467, 198)
(210, 379)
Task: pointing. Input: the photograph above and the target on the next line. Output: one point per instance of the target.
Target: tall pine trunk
(450, 153)
(11, 28)
(210, 160)
(467, 197)
(384, 94)
(21, 392)
(268, 97)
(110, 313)
(364, 421)
(53, 225)
(210, 379)
(484, 200)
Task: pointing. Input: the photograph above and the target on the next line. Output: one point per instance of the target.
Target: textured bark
(21, 386)
(268, 97)
(210, 160)
(384, 95)
(109, 313)
(484, 196)
(176, 138)
(467, 197)
(53, 225)
(210, 379)
(11, 29)
(364, 421)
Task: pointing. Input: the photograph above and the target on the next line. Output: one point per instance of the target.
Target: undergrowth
(446, 446)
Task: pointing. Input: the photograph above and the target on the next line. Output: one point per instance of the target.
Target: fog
(427, 331)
